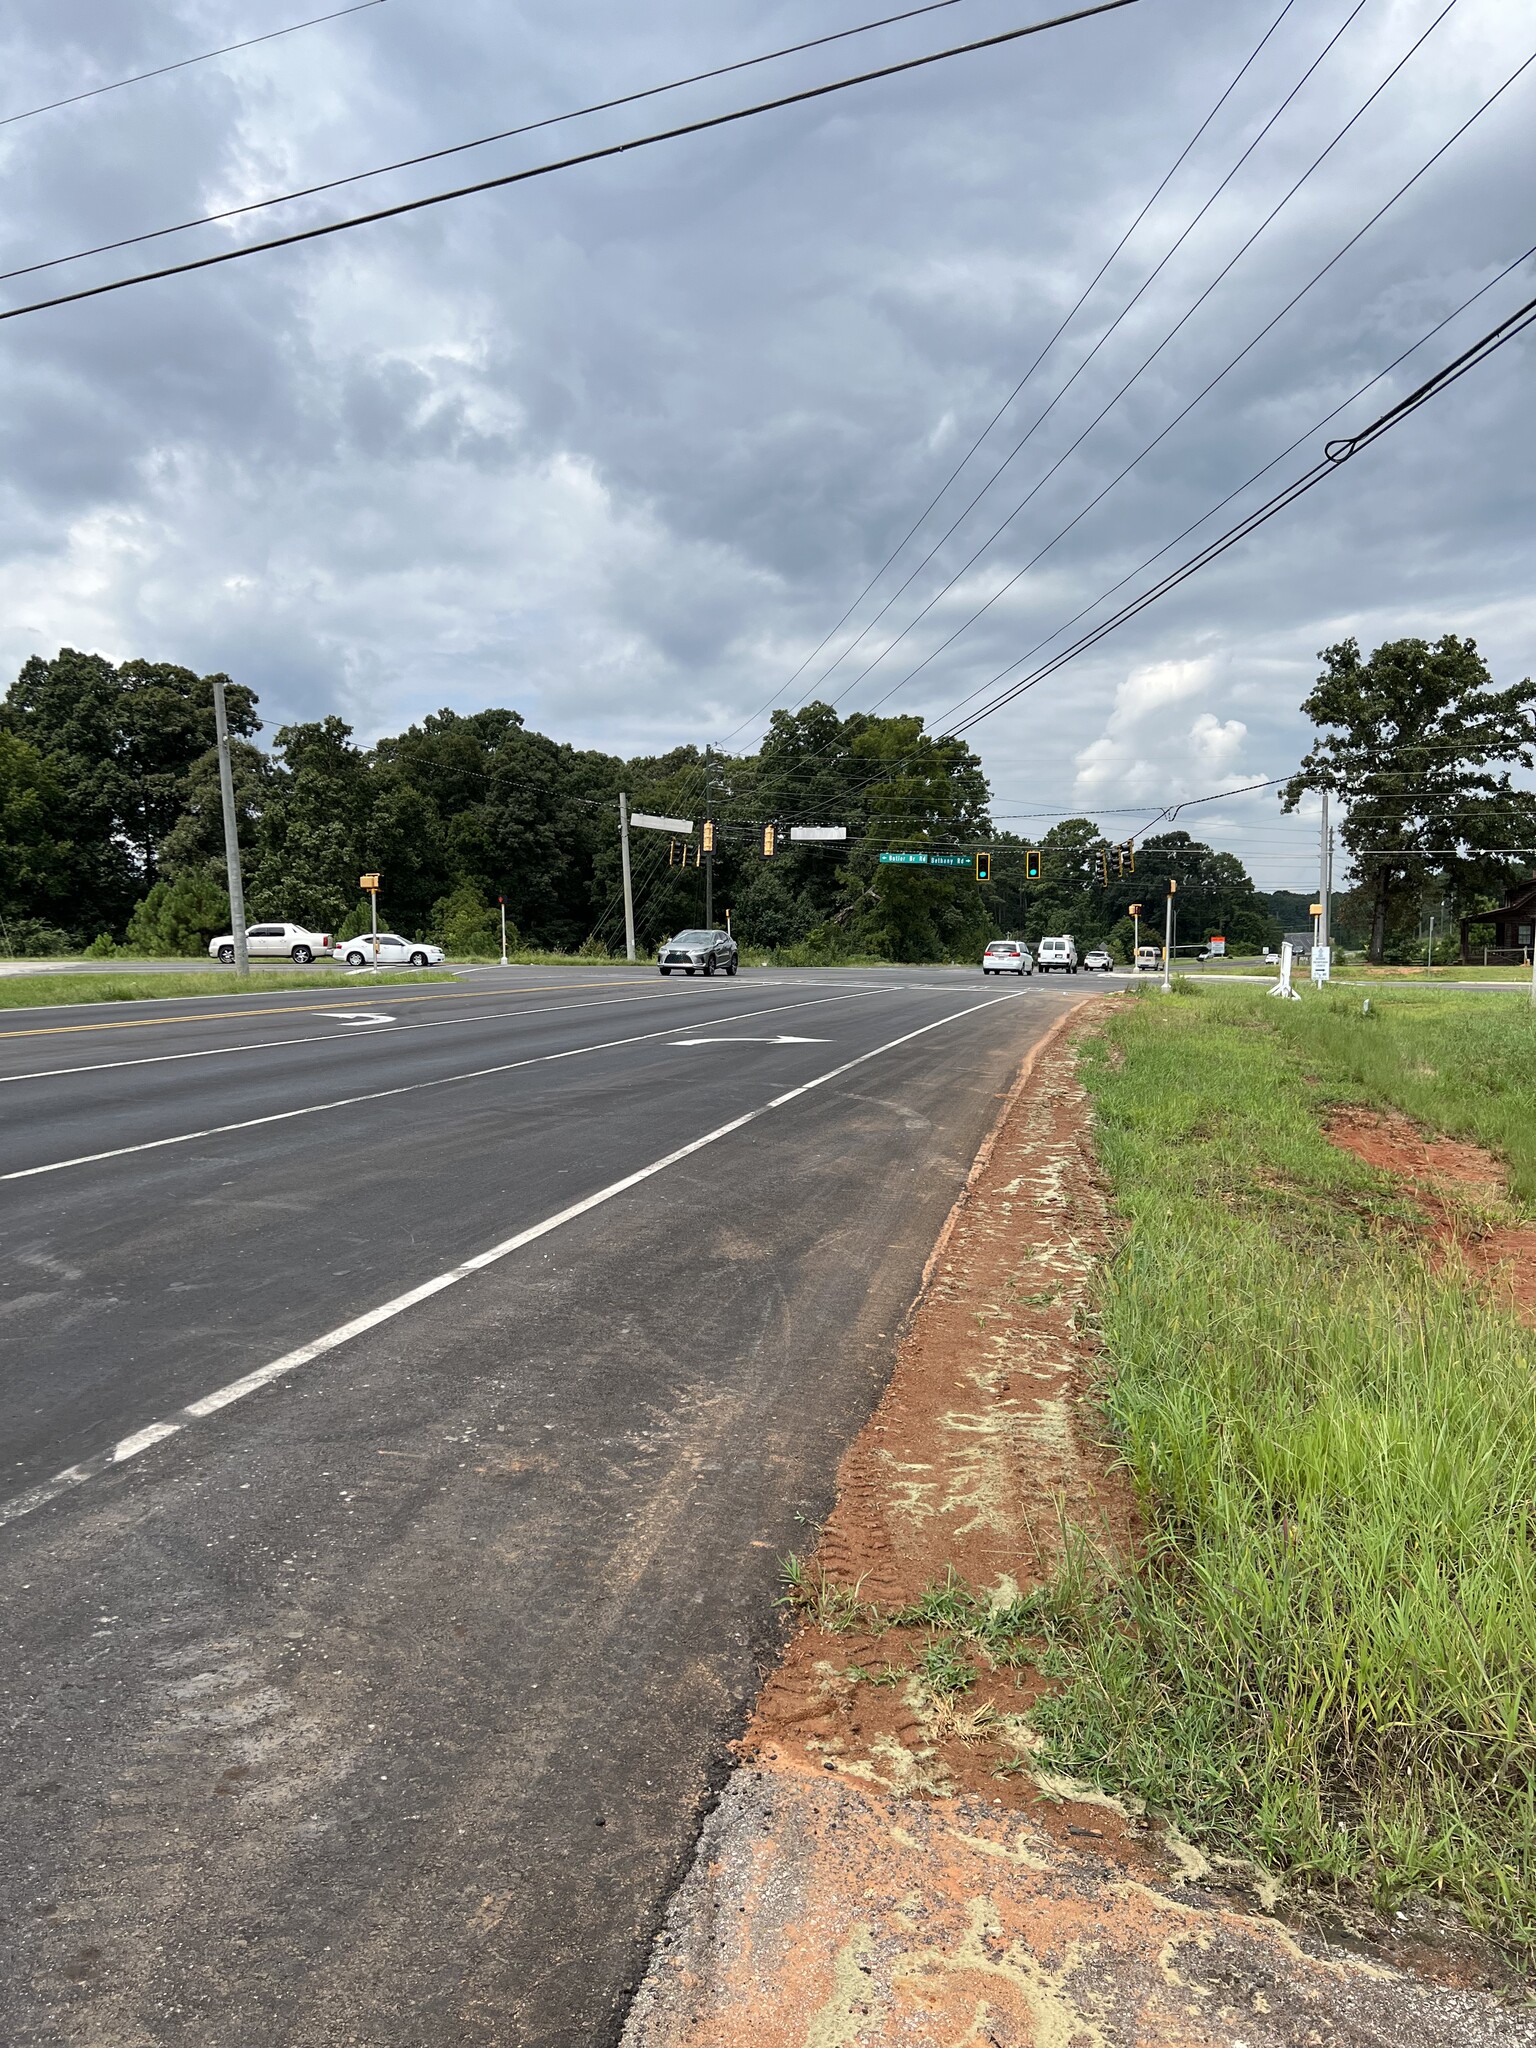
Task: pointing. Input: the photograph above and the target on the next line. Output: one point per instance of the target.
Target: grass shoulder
(47, 991)
(1326, 1655)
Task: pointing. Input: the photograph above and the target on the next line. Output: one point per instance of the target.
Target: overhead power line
(1061, 329)
(183, 63)
(432, 156)
(1079, 371)
(1152, 357)
(589, 156)
(1335, 455)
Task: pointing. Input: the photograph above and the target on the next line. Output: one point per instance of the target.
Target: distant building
(1507, 929)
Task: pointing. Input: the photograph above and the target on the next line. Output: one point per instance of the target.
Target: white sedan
(393, 951)
(274, 942)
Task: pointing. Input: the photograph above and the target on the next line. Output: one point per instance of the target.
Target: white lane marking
(782, 1039)
(283, 1116)
(210, 1052)
(292, 1361)
(358, 1016)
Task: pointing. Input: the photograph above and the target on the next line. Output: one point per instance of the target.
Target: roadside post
(1136, 921)
(231, 831)
(1283, 986)
(629, 893)
(1321, 955)
(371, 884)
(502, 901)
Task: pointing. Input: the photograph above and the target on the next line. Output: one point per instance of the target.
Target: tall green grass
(1327, 1655)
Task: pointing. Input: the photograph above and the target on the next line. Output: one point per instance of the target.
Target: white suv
(1059, 954)
(274, 942)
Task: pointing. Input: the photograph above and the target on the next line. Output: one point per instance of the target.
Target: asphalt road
(402, 1414)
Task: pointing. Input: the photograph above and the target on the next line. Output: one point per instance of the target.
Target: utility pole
(1168, 937)
(502, 901)
(709, 852)
(1324, 877)
(629, 894)
(231, 831)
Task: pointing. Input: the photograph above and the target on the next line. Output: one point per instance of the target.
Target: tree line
(111, 829)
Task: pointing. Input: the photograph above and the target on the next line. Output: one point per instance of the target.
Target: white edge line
(280, 1116)
(292, 1361)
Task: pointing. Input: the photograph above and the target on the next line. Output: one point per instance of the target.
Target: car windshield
(693, 939)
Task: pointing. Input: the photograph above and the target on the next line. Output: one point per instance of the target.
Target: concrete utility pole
(629, 894)
(231, 831)
(709, 852)
(1168, 937)
(1324, 877)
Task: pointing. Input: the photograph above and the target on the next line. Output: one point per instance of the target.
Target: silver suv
(699, 953)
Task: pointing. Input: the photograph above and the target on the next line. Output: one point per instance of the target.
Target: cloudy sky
(619, 447)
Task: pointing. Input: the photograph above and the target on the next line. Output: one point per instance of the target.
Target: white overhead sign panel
(818, 831)
(683, 825)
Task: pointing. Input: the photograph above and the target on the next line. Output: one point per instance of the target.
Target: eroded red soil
(1461, 1191)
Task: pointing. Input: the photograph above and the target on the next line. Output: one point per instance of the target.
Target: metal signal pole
(629, 894)
(709, 852)
(231, 831)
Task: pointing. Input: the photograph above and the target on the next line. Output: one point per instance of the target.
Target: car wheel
(418, 959)
(709, 964)
(355, 959)
(731, 968)
(689, 972)
(227, 956)
(302, 956)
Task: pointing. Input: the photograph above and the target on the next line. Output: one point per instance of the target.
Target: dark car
(699, 953)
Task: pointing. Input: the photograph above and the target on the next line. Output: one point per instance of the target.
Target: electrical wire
(1335, 455)
(589, 156)
(1201, 395)
(406, 163)
(182, 63)
(1061, 329)
(1082, 367)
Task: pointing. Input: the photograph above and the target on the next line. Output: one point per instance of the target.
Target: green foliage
(1410, 740)
(464, 925)
(177, 919)
(1327, 1654)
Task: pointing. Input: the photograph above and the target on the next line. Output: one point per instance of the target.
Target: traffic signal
(1173, 886)
(709, 835)
(678, 852)
(1032, 864)
(1104, 866)
(1128, 858)
(983, 867)
(1133, 910)
(770, 841)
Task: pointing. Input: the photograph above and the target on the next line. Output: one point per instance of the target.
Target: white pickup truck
(1057, 954)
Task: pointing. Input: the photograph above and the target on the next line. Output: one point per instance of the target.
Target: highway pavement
(404, 1405)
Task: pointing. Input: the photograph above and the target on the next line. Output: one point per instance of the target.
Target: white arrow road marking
(141, 1440)
(784, 1039)
(358, 1016)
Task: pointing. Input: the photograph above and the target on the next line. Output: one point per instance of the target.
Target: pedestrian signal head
(983, 867)
(770, 841)
(709, 835)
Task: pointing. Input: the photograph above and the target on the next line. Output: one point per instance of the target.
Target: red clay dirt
(1460, 1190)
(889, 1866)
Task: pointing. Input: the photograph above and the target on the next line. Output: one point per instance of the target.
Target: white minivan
(1059, 954)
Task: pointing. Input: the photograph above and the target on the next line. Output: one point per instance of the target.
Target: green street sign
(926, 860)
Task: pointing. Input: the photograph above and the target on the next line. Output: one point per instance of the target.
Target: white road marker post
(502, 901)
(231, 831)
(629, 893)
(1168, 936)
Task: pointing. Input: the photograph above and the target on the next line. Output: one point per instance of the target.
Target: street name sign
(927, 860)
(818, 831)
(683, 825)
